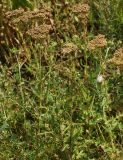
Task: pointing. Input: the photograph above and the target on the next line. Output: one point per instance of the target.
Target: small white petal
(100, 78)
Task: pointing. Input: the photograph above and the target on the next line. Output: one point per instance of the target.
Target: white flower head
(100, 78)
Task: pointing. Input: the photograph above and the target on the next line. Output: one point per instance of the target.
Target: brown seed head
(68, 48)
(39, 32)
(117, 58)
(80, 8)
(14, 13)
(30, 15)
(98, 42)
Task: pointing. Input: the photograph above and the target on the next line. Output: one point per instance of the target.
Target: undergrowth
(61, 80)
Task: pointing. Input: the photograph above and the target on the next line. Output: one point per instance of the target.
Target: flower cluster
(80, 8)
(117, 58)
(98, 42)
(69, 48)
(39, 32)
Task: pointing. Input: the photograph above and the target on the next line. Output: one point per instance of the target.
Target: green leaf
(21, 3)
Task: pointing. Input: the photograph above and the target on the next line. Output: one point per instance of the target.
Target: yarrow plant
(117, 58)
(98, 42)
(61, 83)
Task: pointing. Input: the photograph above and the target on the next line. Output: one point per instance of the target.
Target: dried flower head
(80, 8)
(68, 48)
(19, 15)
(14, 13)
(98, 42)
(40, 31)
(118, 57)
(31, 15)
(18, 22)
